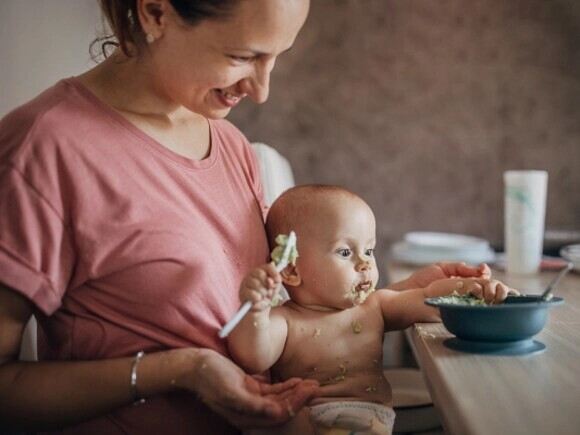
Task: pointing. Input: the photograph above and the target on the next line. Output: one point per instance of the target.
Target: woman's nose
(257, 86)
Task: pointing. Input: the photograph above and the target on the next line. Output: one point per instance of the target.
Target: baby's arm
(403, 308)
(257, 341)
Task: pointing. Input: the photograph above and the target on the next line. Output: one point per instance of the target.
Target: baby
(332, 327)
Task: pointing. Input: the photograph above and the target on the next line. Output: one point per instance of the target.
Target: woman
(130, 213)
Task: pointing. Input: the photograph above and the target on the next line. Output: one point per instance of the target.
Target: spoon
(284, 260)
(555, 281)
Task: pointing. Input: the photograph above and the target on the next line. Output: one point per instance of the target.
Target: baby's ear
(291, 275)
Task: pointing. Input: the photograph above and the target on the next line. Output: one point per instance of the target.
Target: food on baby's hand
(276, 300)
(277, 254)
(278, 251)
(356, 327)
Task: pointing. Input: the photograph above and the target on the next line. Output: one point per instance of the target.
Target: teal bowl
(518, 319)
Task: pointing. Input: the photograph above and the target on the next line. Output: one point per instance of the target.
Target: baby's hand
(260, 286)
(490, 290)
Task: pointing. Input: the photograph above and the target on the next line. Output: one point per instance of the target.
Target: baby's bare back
(340, 349)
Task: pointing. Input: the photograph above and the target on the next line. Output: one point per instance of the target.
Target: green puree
(276, 255)
(457, 299)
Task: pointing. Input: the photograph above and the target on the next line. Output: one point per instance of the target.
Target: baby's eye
(370, 252)
(345, 253)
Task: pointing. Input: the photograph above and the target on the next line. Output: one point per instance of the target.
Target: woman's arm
(45, 395)
(425, 276)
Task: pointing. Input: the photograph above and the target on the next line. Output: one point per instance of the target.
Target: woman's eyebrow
(256, 52)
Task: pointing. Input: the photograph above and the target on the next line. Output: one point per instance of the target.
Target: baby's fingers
(474, 289)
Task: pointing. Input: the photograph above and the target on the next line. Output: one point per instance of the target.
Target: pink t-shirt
(122, 244)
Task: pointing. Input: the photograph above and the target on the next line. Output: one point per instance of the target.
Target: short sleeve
(36, 255)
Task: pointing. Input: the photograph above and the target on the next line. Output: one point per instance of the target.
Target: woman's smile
(228, 99)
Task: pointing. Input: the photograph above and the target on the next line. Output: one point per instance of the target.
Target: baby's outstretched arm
(258, 340)
(403, 308)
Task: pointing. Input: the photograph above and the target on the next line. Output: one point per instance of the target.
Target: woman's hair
(122, 20)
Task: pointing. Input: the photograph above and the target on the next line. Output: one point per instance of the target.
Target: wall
(419, 106)
(42, 41)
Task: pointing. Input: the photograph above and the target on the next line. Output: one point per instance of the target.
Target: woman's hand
(243, 400)
(434, 272)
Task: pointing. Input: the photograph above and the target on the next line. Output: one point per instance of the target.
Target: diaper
(353, 418)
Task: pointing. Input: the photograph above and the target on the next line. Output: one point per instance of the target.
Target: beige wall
(42, 41)
(420, 105)
(417, 105)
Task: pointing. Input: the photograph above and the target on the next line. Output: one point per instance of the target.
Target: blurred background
(418, 106)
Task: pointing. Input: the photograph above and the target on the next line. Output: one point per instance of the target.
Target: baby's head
(335, 231)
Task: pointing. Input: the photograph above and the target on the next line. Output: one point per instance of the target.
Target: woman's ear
(291, 275)
(152, 16)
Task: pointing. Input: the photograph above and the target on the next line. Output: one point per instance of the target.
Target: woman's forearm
(45, 395)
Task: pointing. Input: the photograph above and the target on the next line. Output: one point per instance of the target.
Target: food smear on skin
(360, 296)
(356, 327)
(275, 301)
(341, 376)
(317, 332)
(371, 389)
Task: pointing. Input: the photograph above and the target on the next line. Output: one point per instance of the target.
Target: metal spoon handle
(555, 281)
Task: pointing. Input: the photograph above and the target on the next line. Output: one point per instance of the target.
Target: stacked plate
(421, 248)
(572, 254)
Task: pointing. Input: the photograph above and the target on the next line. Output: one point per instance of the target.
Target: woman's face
(210, 67)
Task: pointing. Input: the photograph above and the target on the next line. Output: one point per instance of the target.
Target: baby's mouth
(364, 286)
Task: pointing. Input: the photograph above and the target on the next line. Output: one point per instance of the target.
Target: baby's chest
(332, 345)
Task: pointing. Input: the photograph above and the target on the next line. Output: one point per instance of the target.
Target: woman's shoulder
(228, 134)
(60, 114)
(53, 111)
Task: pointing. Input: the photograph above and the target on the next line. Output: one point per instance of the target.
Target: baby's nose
(363, 264)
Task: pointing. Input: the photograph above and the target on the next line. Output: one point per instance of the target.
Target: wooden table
(531, 394)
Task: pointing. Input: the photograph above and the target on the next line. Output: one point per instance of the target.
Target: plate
(445, 241)
(572, 254)
(524, 347)
(415, 255)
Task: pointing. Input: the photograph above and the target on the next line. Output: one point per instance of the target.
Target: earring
(149, 38)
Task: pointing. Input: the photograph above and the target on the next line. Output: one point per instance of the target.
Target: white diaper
(357, 417)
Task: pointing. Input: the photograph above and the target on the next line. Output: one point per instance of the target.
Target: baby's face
(336, 253)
